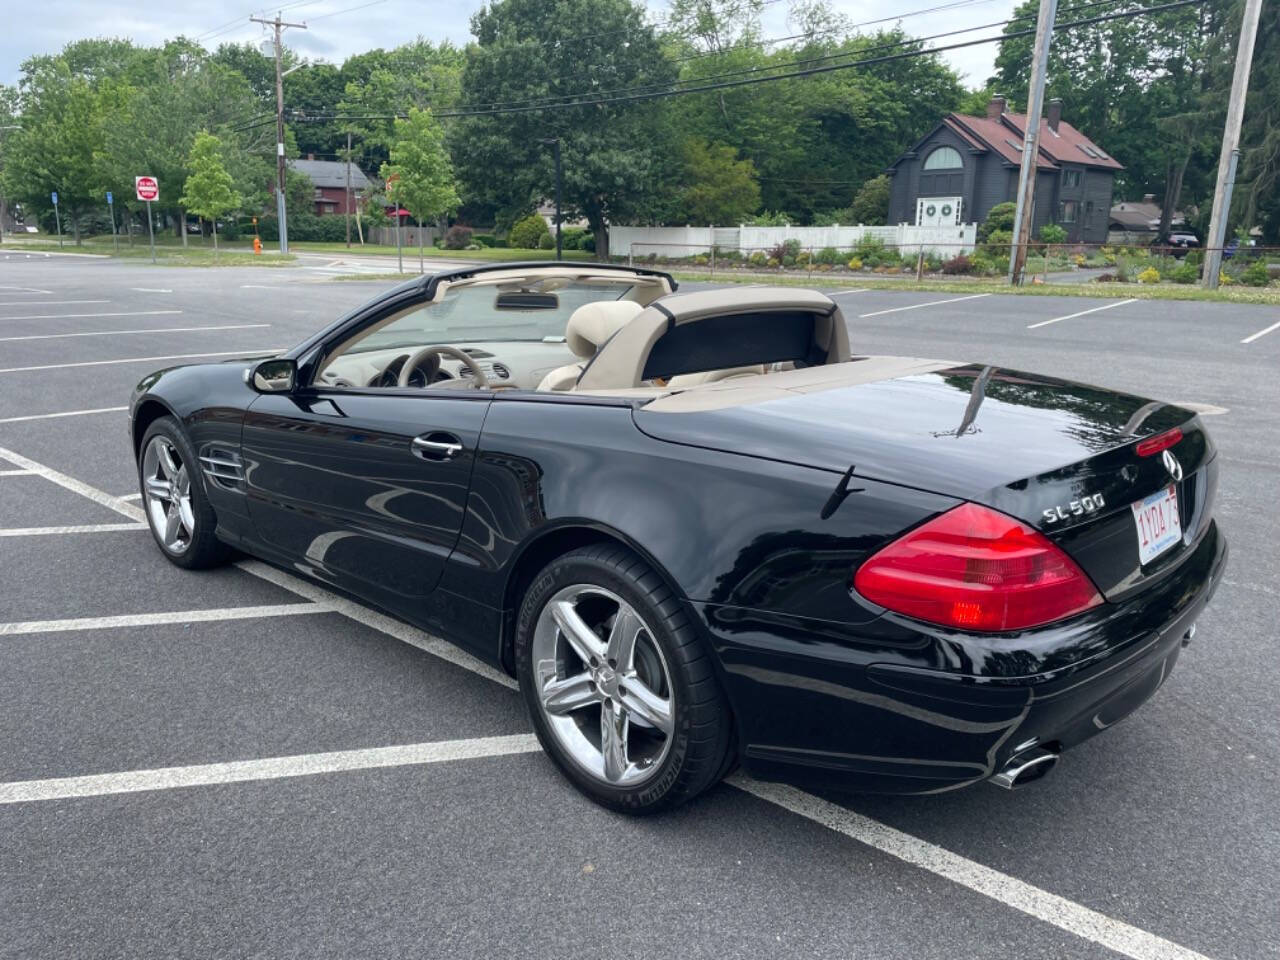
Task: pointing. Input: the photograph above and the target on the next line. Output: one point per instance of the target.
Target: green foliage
(420, 175)
(305, 227)
(871, 202)
(548, 242)
(769, 219)
(957, 265)
(527, 234)
(1000, 217)
(1050, 233)
(209, 192)
(1255, 274)
(719, 187)
(1185, 272)
(829, 255)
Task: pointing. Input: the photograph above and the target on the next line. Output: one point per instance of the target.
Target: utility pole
(279, 26)
(555, 143)
(1031, 142)
(348, 203)
(1230, 145)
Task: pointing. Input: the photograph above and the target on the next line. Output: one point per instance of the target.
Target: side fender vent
(223, 467)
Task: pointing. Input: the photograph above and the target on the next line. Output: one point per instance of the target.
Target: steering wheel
(433, 354)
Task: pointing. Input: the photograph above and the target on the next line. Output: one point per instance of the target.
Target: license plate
(1156, 518)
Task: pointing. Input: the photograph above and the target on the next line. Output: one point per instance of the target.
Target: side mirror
(274, 376)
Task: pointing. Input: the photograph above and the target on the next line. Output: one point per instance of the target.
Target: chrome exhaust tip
(1025, 767)
(1189, 635)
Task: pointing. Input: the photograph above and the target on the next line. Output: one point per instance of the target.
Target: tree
(871, 202)
(209, 191)
(615, 155)
(420, 177)
(719, 188)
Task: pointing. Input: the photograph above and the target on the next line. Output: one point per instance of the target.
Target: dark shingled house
(966, 165)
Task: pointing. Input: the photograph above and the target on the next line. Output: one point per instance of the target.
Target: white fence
(690, 241)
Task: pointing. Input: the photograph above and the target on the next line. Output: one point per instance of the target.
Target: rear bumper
(880, 707)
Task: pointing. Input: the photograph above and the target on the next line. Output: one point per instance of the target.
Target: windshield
(471, 313)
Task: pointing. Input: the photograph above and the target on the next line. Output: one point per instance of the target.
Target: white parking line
(241, 771)
(1063, 913)
(74, 528)
(265, 351)
(1041, 904)
(1072, 316)
(47, 303)
(151, 289)
(117, 333)
(1261, 333)
(917, 306)
(82, 316)
(152, 619)
(64, 413)
(132, 496)
(25, 289)
(16, 473)
(841, 293)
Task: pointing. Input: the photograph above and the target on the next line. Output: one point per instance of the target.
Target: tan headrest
(593, 323)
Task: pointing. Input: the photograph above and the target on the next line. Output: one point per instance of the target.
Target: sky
(338, 28)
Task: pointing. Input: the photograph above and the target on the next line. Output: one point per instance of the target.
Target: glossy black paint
(729, 507)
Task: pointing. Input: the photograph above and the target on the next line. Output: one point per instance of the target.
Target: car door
(363, 488)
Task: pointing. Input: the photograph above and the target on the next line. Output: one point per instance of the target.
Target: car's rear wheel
(173, 498)
(621, 690)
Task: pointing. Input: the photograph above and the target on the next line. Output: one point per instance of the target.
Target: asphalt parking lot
(237, 763)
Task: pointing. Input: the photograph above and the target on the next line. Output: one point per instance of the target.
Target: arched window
(944, 158)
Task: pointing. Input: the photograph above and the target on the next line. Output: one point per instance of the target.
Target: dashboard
(518, 364)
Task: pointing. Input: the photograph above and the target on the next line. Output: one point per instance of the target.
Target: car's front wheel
(179, 514)
(621, 690)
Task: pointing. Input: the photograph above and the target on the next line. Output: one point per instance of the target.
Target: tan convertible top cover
(621, 361)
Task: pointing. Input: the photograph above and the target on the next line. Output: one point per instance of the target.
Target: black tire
(204, 549)
(702, 744)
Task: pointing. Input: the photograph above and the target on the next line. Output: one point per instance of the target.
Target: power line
(631, 95)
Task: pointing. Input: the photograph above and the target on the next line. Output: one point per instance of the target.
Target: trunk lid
(1031, 446)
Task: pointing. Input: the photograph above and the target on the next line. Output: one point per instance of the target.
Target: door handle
(435, 446)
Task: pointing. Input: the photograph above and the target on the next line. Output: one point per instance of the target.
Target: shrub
(773, 262)
(788, 261)
(828, 255)
(305, 226)
(528, 233)
(1185, 273)
(803, 257)
(484, 239)
(1256, 275)
(854, 263)
(1052, 233)
(768, 219)
(957, 265)
(571, 237)
(1149, 275)
(1224, 279)
(999, 217)
(758, 258)
(457, 237)
(548, 242)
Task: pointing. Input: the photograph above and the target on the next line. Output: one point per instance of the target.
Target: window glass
(944, 158)
(1071, 178)
(1068, 211)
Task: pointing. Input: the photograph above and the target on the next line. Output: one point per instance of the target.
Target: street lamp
(555, 141)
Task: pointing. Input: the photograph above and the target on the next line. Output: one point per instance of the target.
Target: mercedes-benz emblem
(1172, 465)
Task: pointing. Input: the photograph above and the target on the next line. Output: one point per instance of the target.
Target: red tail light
(975, 569)
(1161, 441)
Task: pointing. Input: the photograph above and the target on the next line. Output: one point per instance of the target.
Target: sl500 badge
(1076, 508)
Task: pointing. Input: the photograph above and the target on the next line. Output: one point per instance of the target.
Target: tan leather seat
(684, 380)
(588, 328)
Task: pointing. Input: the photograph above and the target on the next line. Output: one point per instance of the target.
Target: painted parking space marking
(918, 306)
(151, 289)
(82, 316)
(842, 293)
(25, 289)
(271, 768)
(1262, 333)
(217, 615)
(48, 303)
(62, 413)
(1072, 316)
(119, 333)
(16, 473)
(247, 352)
(72, 528)
(1065, 914)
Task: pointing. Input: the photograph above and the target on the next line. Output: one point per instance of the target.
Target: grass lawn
(169, 251)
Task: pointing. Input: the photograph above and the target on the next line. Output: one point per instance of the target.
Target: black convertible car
(702, 532)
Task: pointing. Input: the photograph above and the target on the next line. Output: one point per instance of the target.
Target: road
(1156, 839)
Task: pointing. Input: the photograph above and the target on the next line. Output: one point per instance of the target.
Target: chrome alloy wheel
(603, 685)
(167, 486)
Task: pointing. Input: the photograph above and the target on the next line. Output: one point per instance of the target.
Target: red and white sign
(148, 188)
